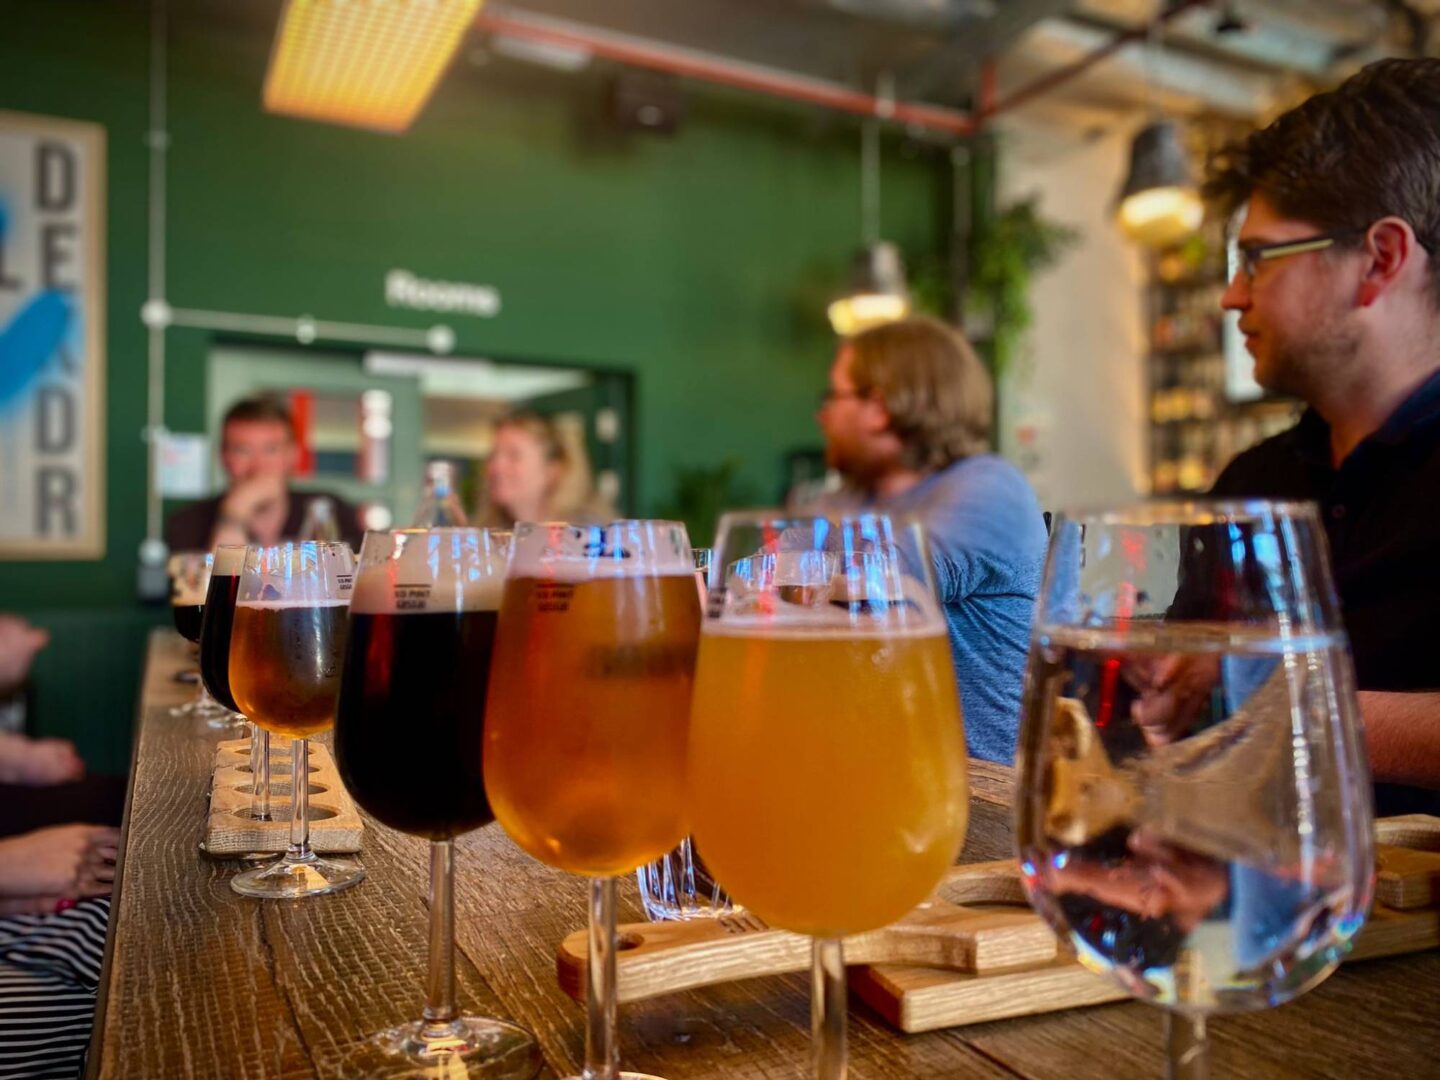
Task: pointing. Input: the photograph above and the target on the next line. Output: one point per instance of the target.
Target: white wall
(1073, 403)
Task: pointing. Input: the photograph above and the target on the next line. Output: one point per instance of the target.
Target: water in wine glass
(1194, 808)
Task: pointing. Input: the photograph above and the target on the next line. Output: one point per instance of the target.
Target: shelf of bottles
(1196, 426)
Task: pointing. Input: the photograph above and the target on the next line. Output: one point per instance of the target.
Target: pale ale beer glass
(408, 739)
(189, 582)
(827, 756)
(286, 649)
(828, 785)
(1194, 806)
(589, 713)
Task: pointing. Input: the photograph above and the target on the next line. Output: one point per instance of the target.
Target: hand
(74, 861)
(38, 762)
(19, 642)
(1173, 692)
(255, 496)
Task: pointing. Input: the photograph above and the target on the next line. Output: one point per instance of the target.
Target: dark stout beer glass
(409, 742)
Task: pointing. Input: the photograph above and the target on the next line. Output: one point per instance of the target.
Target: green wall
(700, 263)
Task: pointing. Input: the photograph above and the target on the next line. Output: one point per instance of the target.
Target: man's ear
(1390, 245)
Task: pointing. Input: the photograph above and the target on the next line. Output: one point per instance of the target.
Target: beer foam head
(411, 571)
(560, 551)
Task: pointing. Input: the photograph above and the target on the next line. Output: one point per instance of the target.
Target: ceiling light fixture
(1158, 204)
(363, 63)
(878, 293)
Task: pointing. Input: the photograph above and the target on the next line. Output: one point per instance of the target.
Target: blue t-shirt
(987, 539)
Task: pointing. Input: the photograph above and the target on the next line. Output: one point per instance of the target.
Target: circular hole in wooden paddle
(624, 942)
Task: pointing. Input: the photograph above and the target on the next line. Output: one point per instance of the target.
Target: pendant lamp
(877, 292)
(1159, 204)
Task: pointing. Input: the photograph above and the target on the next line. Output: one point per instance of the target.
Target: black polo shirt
(1381, 510)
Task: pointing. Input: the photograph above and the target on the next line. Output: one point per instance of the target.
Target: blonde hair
(562, 444)
(936, 390)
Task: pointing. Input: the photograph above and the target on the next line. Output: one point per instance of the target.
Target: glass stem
(827, 1008)
(440, 986)
(300, 801)
(259, 773)
(602, 1052)
(1187, 1047)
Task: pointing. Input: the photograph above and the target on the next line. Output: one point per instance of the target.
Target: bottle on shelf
(440, 505)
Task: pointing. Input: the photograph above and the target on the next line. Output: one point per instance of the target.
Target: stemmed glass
(408, 738)
(588, 716)
(189, 582)
(828, 777)
(1194, 809)
(286, 649)
(215, 631)
(679, 885)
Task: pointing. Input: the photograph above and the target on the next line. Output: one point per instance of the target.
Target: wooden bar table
(201, 982)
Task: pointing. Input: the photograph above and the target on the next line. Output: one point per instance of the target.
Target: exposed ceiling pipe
(691, 63)
(1045, 83)
(708, 67)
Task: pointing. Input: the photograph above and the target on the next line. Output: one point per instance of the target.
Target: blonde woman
(538, 471)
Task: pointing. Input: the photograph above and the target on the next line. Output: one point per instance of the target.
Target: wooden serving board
(335, 825)
(977, 952)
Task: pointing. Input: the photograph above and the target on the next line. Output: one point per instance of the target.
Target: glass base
(290, 879)
(470, 1046)
(621, 1075)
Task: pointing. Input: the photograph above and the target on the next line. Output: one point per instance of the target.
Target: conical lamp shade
(878, 293)
(1159, 205)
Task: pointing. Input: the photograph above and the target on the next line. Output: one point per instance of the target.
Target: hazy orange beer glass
(588, 715)
(286, 650)
(827, 757)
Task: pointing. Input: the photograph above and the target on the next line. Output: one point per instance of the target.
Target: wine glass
(828, 780)
(215, 630)
(408, 740)
(286, 649)
(189, 582)
(1194, 808)
(588, 716)
(678, 885)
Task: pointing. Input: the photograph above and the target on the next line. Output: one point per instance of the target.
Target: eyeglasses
(1248, 257)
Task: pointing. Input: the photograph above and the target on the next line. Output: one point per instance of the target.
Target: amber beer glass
(408, 740)
(588, 716)
(291, 619)
(828, 783)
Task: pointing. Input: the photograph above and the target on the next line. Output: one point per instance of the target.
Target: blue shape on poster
(29, 341)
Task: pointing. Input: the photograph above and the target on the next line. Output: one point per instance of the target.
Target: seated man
(906, 422)
(1338, 293)
(258, 454)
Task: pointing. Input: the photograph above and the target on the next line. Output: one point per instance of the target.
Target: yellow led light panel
(364, 63)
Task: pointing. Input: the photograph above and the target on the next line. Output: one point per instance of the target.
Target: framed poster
(52, 338)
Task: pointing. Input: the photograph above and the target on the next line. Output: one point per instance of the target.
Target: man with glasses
(1338, 292)
(906, 419)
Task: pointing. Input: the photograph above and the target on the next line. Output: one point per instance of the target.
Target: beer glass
(828, 784)
(286, 649)
(588, 716)
(408, 741)
(1194, 808)
(189, 582)
(218, 621)
(215, 631)
(678, 885)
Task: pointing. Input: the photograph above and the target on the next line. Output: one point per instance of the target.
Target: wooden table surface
(202, 982)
